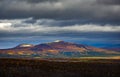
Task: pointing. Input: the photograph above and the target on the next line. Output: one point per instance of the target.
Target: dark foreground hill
(47, 68)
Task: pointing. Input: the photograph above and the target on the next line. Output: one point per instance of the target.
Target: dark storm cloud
(32, 1)
(37, 1)
(88, 10)
(109, 2)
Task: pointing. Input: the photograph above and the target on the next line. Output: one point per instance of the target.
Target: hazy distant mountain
(113, 49)
(57, 48)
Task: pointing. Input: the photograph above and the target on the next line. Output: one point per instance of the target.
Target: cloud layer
(90, 10)
(43, 26)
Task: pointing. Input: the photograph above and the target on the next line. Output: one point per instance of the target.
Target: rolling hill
(59, 49)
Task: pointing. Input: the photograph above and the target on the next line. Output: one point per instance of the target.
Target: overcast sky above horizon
(92, 22)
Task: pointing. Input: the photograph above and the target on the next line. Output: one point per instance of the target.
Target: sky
(90, 22)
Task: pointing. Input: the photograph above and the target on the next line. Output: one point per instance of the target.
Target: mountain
(57, 48)
(113, 49)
